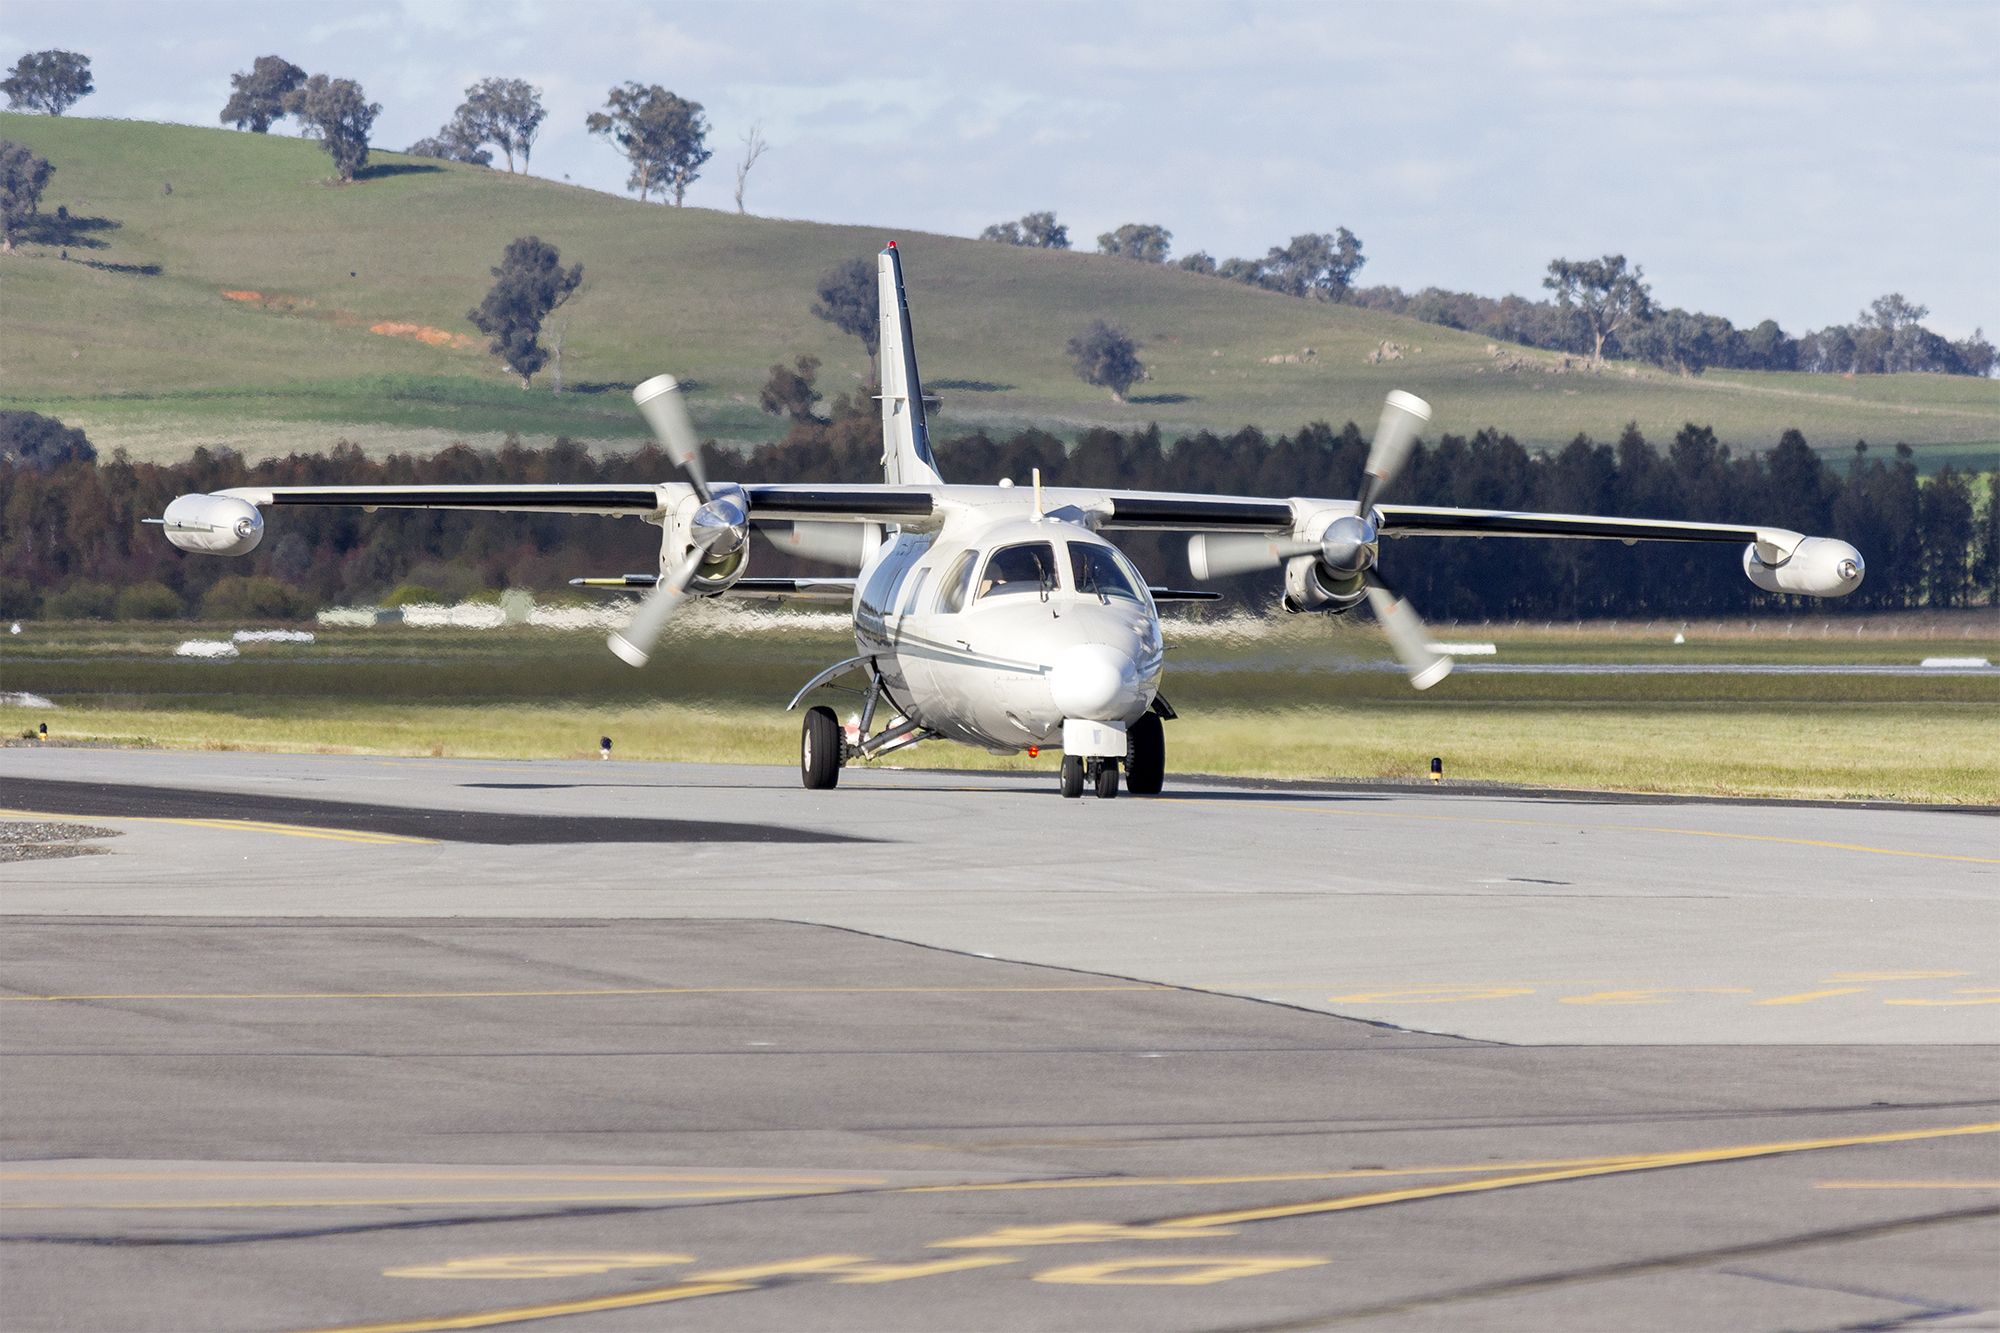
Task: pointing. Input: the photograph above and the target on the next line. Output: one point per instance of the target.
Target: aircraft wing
(1169, 512)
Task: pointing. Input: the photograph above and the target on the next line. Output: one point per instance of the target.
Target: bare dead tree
(753, 148)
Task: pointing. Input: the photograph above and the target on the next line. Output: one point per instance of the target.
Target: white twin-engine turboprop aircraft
(1000, 616)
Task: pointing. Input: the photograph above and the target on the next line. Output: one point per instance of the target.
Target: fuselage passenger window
(1029, 567)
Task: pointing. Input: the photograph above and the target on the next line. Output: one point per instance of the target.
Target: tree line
(1599, 308)
(72, 542)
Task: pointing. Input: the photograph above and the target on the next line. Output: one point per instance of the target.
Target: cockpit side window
(957, 585)
(1029, 567)
(1096, 571)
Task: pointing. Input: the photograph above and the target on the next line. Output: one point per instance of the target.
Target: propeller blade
(1217, 555)
(1407, 635)
(661, 403)
(1403, 415)
(634, 643)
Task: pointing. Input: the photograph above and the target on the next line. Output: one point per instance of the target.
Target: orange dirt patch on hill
(422, 333)
(276, 301)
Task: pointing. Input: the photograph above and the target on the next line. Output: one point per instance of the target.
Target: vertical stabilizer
(906, 440)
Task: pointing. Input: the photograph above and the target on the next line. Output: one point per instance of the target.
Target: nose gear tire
(1072, 777)
(1107, 779)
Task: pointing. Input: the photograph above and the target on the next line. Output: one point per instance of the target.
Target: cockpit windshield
(1096, 571)
(1029, 567)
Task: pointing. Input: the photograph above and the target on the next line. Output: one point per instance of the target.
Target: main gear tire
(819, 749)
(1146, 756)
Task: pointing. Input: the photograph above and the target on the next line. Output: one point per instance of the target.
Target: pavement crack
(1629, 1268)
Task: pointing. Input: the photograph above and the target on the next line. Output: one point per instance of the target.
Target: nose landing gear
(1101, 773)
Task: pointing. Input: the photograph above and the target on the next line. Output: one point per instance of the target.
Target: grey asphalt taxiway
(331, 1042)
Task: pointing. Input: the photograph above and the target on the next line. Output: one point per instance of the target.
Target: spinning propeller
(717, 530)
(1350, 546)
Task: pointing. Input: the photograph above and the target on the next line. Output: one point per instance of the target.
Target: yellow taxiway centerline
(1653, 1162)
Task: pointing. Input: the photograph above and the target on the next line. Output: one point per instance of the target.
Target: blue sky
(1758, 159)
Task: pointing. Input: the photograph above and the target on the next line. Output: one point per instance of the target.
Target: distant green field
(1307, 700)
(146, 352)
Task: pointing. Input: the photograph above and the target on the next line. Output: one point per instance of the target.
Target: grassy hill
(257, 305)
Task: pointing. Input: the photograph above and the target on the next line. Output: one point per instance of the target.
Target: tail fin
(906, 439)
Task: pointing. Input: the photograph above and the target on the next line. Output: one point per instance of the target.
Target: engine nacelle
(1310, 586)
(213, 524)
(1817, 567)
(717, 532)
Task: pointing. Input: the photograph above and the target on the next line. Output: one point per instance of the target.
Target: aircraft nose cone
(1092, 680)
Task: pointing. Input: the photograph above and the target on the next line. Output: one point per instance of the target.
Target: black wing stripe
(1193, 515)
(612, 499)
(838, 502)
(1406, 522)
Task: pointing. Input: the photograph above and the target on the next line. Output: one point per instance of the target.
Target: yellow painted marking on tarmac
(240, 826)
(553, 1310)
(1622, 828)
(1653, 1162)
(1073, 1233)
(1178, 1272)
(1431, 995)
(562, 994)
(453, 1200)
(1271, 1178)
(510, 1266)
(1183, 1228)
(1992, 994)
(851, 1268)
(1906, 1184)
(1894, 976)
(1806, 997)
(1651, 994)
